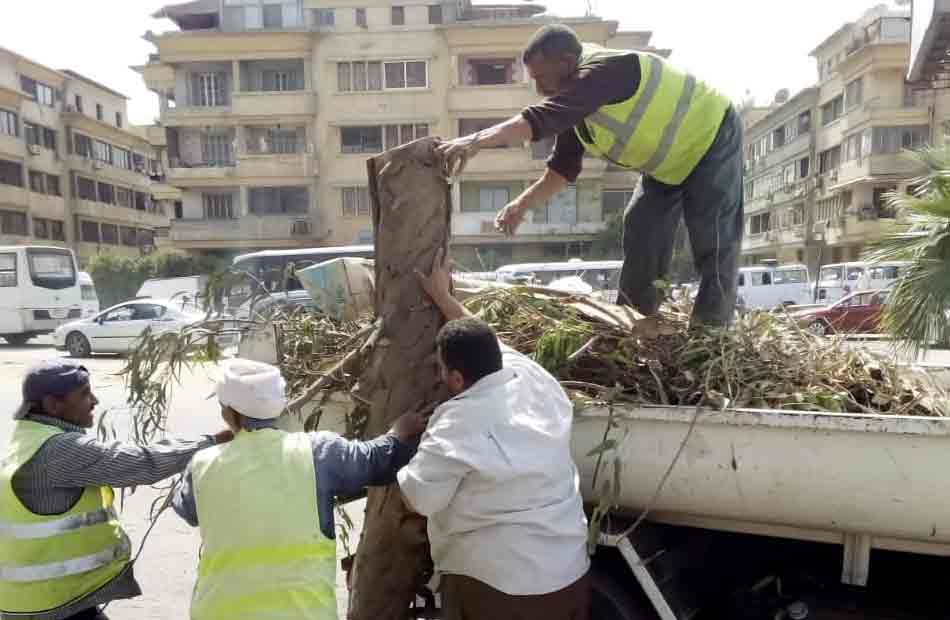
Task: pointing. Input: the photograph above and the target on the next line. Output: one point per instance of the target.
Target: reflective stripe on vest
(264, 555)
(667, 152)
(50, 561)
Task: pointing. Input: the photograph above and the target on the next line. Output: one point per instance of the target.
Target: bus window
(854, 273)
(52, 269)
(8, 270)
(741, 279)
(830, 274)
(761, 278)
(790, 276)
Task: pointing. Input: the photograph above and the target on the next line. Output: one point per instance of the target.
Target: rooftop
(82, 78)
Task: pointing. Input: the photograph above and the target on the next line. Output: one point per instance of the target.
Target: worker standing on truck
(495, 477)
(264, 503)
(63, 552)
(638, 112)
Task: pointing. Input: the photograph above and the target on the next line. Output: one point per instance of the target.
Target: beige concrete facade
(72, 172)
(300, 104)
(861, 116)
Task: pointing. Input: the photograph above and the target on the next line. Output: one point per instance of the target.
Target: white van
(185, 292)
(90, 300)
(579, 276)
(770, 286)
(39, 291)
(840, 279)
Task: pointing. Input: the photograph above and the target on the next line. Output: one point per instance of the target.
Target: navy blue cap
(56, 377)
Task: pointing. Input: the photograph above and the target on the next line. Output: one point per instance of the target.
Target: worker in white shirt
(495, 477)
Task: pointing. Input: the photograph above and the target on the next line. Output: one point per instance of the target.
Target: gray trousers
(710, 201)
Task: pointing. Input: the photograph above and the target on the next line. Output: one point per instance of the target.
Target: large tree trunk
(411, 218)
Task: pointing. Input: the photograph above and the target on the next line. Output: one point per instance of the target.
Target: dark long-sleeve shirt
(598, 83)
(343, 468)
(54, 479)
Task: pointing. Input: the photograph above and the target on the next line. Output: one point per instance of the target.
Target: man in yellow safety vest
(264, 503)
(63, 552)
(640, 113)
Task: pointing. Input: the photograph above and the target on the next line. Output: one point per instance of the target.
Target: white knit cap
(252, 389)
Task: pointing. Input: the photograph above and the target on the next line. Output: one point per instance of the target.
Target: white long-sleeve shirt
(495, 477)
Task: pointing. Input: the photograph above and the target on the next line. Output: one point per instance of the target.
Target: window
(130, 237)
(893, 139)
(218, 206)
(435, 13)
(471, 125)
(86, 188)
(832, 110)
(759, 224)
(355, 201)
(52, 185)
(122, 158)
(804, 122)
(41, 92)
(49, 139)
(361, 139)
(325, 17)
(209, 89)
(493, 199)
(829, 160)
(280, 81)
(118, 119)
(102, 151)
(78, 100)
(273, 16)
(82, 145)
(13, 223)
(399, 16)
(123, 197)
(359, 76)
(37, 182)
(106, 194)
(89, 232)
(279, 200)
(361, 18)
(9, 124)
(397, 135)
(803, 168)
(778, 138)
(562, 209)
(854, 93)
(48, 229)
(110, 234)
(100, 113)
(488, 71)
(406, 74)
(852, 147)
(31, 133)
(40, 136)
(7, 270)
(124, 313)
(216, 149)
(143, 202)
(11, 173)
(613, 202)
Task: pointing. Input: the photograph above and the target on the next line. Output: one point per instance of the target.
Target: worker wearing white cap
(255, 500)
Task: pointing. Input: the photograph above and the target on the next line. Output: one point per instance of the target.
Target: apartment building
(72, 173)
(269, 110)
(815, 187)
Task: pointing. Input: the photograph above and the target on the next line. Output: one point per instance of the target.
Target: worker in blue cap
(63, 552)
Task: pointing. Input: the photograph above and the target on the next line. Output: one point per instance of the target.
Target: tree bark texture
(411, 220)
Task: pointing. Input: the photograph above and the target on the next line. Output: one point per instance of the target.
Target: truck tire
(17, 340)
(610, 601)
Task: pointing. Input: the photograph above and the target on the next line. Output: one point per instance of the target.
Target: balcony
(200, 174)
(12, 146)
(49, 207)
(248, 231)
(882, 166)
(884, 111)
(504, 98)
(266, 104)
(496, 163)
(758, 241)
(13, 196)
(106, 172)
(113, 213)
(277, 166)
(482, 224)
(195, 116)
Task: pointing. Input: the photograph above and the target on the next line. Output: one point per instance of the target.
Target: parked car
(117, 329)
(186, 292)
(770, 286)
(856, 313)
(837, 280)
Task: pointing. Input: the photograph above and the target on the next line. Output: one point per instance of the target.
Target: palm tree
(918, 308)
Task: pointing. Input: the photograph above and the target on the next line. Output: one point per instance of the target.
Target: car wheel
(17, 340)
(78, 345)
(819, 328)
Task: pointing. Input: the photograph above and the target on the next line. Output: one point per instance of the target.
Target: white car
(117, 329)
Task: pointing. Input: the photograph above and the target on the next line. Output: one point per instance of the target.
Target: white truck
(764, 495)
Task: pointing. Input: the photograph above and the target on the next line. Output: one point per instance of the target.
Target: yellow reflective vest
(47, 562)
(263, 554)
(664, 129)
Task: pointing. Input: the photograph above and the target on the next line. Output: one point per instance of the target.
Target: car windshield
(52, 269)
(831, 274)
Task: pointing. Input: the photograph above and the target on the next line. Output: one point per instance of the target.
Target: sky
(739, 46)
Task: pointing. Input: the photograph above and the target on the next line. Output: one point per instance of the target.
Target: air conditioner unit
(34, 149)
(97, 165)
(300, 227)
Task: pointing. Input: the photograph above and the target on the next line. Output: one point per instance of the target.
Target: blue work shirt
(344, 468)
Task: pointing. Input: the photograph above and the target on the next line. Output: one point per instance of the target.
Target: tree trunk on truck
(411, 222)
